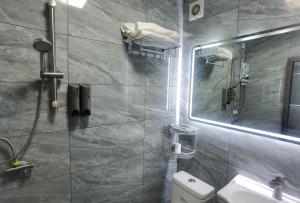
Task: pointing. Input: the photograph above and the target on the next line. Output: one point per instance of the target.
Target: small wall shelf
(186, 152)
(186, 137)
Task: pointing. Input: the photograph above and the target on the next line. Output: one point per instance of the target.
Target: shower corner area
(138, 101)
(117, 154)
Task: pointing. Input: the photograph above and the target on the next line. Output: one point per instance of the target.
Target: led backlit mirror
(251, 83)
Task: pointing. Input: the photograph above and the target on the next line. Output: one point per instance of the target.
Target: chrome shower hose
(31, 134)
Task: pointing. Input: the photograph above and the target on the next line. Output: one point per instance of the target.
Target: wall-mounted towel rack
(136, 47)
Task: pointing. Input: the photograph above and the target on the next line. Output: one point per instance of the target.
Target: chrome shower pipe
(53, 74)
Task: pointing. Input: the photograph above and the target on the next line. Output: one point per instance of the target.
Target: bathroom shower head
(42, 45)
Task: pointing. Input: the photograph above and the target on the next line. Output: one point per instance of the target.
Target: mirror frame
(243, 38)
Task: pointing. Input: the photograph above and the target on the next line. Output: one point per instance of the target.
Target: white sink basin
(245, 190)
(250, 197)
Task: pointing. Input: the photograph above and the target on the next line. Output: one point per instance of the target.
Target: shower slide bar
(53, 73)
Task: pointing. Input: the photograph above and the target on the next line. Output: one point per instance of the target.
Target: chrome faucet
(276, 184)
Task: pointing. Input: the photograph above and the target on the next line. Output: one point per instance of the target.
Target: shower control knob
(55, 104)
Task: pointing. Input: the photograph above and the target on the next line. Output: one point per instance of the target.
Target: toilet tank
(189, 189)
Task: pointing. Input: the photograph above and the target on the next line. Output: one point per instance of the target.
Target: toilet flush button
(192, 180)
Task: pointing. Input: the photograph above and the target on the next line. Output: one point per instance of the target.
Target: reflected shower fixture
(44, 46)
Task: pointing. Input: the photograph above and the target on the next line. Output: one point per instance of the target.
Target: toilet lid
(193, 185)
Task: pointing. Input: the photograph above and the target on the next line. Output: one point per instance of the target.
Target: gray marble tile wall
(115, 155)
(224, 153)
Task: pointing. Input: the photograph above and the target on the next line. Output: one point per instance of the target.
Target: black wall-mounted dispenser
(85, 100)
(74, 104)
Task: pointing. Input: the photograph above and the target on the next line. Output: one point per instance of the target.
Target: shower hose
(19, 154)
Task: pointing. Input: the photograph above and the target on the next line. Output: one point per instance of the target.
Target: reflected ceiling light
(211, 45)
(248, 130)
(179, 71)
(77, 3)
(249, 38)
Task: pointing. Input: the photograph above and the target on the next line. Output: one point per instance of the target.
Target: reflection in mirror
(291, 109)
(249, 83)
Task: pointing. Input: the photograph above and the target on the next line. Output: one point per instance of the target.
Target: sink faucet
(276, 184)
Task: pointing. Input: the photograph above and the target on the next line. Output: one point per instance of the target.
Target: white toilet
(188, 189)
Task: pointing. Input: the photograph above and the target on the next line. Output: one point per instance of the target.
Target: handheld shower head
(42, 45)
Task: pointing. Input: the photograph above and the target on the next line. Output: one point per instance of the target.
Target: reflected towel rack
(214, 59)
(136, 47)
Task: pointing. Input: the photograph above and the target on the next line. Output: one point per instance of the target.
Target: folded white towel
(158, 30)
(219, 52)
(150, 34)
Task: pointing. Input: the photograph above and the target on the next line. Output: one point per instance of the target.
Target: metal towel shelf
(136, 47)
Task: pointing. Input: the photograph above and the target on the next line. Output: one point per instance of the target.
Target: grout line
(15, 188)
(43, 133)
(96, 40)
(145, 103)
(117, 85)
(32, 28)
(69, 132)
(103, 165)
(106, 125)
(112, 124)
(166, 20)
(238, 19)
(133, 187)
(93, 84)
(134, 8)
(39, 133)
(37, 82)
(228, 158)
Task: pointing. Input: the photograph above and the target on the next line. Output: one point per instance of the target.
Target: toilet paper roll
(177, 148)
